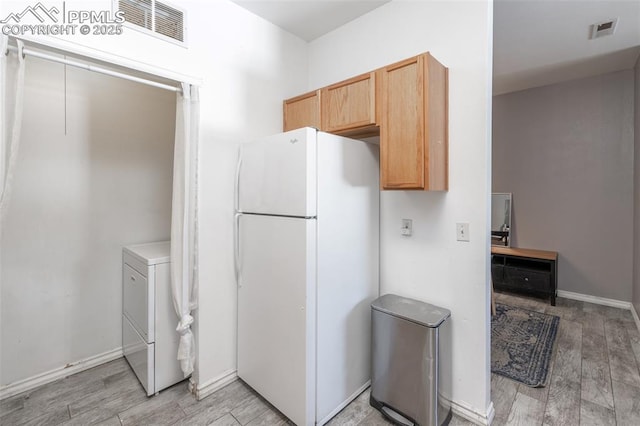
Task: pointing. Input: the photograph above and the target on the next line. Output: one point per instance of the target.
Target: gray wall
(636, 218)
(565, 151)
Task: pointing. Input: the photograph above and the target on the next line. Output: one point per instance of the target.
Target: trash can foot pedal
(396, 417)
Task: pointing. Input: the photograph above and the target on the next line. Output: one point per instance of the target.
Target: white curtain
(9, 132)
(184, 225)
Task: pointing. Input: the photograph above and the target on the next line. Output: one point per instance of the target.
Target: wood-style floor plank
(634, 339)
(270, 418)
(459, 421)
(220, 402)
(50, 401)
(563, 403)
(93, 416)
(592, 323)
(113, 421)
(569, 351)
(525, 411)
(148, 410)
(627, 402)
(591, 341)
(116, 397)
(167, 414)
(596, 377)
(375, 418)
(563, 406)
(572, 310)
(354, 413)
(596, 415)
(624, 367)
(11, 404)
(596, 383)
(52, 416)
(217, 405)
(253, 407)
(622, 360)
(594, 346)
(226, 420)
(503, 393)
(616, 334)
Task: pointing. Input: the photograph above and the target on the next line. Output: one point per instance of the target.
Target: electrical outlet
(406, 227)
(462, 231)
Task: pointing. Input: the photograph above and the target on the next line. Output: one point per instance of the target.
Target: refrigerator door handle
(236, 247)
(236, 189)
(236, 220)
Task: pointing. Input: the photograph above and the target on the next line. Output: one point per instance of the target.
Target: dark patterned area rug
(522, 344)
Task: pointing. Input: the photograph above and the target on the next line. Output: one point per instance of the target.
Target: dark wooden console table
(528, 271)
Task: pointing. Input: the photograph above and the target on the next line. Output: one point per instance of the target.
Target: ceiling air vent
(604, 28)
(159, 18)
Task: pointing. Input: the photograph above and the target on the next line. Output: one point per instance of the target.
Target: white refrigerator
(306, 257)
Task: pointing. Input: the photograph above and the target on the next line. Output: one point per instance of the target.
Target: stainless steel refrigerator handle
(236, 247)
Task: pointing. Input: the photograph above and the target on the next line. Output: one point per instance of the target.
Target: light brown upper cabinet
(349, 108)
(302, 111)
(406, 103)
(414, 125)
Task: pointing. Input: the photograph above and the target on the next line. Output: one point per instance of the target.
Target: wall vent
(159, 18)
(604, 28)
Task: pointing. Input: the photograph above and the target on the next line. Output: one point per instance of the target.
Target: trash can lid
(411, 310)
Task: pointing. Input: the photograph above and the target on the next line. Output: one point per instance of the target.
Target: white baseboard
(345, 403)
(205, 389)
(635, 316)
(594, 299)
(468, 413)
(59, 373)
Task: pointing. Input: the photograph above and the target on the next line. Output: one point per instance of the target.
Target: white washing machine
(149, 337)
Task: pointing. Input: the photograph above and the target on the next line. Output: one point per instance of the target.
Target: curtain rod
(93, 68)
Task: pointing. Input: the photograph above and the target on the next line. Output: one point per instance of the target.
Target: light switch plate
(406, 228)
(462, 231)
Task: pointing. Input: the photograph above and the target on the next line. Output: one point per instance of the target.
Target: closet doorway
(94, 173)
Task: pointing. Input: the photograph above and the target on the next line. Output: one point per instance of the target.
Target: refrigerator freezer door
(277, 175)
(276, 312)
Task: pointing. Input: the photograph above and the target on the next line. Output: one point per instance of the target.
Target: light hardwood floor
(594, 375)
(110, 395)
(594, 380)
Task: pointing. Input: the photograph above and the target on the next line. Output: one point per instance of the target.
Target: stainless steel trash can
(411, 361)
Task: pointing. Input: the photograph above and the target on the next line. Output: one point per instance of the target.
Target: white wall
(431, 265)
(93, 174)
(247, 67)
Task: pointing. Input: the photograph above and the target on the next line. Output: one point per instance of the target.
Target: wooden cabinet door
(414, 122)
(349, 107)
(302, 111)
(406, 103)
(402, 126)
